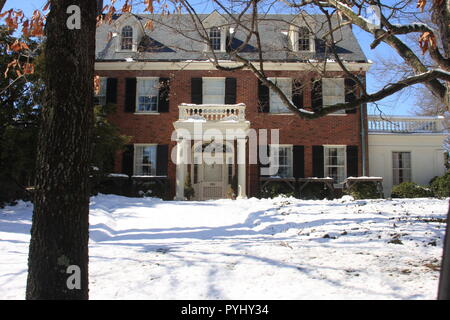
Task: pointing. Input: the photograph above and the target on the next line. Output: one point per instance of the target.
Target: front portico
(211, 149)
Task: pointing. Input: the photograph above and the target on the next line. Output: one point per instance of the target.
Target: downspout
(363, 140)
(362, 114)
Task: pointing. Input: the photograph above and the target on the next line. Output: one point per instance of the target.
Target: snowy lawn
(283, 248)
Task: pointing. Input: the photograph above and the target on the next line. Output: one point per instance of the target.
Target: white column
(241, 148)
(181, 168)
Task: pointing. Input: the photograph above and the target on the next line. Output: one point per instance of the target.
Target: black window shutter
(298, 154)
(316, 95)
(352, 161)
(196, 90)
(263, 97)
(127, 160)
(111, 90)
(163, 99)
(130, 94)
(350, 93)
(230, 91)
(162, 157)
(297, 94)
(317, 158)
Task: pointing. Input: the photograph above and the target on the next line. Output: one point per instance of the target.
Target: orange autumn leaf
(126, 7)
(148, 6)
(97, 84)
(426, 41)
(28, 68)
(421, 4)
(148, 25)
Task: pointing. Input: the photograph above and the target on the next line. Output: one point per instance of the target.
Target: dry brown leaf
(28, 68)
(126, 7)
(426, 41)
(148, 25)
(149, 6)
(421, 4)
(97, 84)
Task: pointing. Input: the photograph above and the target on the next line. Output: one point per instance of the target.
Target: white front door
(211, 177)
(213, 183)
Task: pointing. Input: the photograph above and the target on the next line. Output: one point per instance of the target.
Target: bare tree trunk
(2, 3)
(441, 17)
(60, 229)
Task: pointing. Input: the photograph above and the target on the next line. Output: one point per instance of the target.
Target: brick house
(169, 95)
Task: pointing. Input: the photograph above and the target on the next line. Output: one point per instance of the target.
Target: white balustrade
(398, 124)
(212, 112)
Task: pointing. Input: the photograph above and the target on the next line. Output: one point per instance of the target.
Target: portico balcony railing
(400, 124)
(212, 112)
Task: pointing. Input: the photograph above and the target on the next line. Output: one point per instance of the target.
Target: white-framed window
(335, 162)
(333, 92)
(276, 104)
(126, 41)
(145, 160)
(401, 166)
(100, 97)
(147, 94)
(301, 39)
(213, 90)
(304, 39)
(215, 38)
(284, 153)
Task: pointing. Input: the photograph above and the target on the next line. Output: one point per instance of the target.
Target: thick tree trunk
(60, 229)
(441, 17)
(2, 3)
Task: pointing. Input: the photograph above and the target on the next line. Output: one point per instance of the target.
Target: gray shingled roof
(175, 39)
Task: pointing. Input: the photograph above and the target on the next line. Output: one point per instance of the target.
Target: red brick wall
(342, 129)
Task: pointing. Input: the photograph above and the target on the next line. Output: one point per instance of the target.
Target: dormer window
(215, 38)
(127, 38)
(301, 39)
(304, 39)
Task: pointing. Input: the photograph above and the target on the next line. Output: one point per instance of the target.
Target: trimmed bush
(441, 186)
(315, 191)
(274, 189)
(363, 190)
(410, 190)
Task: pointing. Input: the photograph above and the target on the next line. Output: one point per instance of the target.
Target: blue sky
(398, 104)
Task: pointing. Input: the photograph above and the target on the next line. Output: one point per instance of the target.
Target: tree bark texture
(2, 3)
(60, 226)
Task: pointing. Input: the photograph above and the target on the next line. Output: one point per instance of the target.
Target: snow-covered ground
(283, 248)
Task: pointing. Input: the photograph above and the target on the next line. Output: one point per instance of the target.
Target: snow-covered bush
(410, 190)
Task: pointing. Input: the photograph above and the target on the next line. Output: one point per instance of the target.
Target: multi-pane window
(214, 38)
(127, 38)
(401, 165)
(147, 94)
(303, 39)
(145, 160)
(276, 104)
(213, 90)
(333, 91)
(100, 97)
(335, 163)
(284, 160)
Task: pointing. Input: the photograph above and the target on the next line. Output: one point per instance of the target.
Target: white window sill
(147, 113)
(337, 114)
